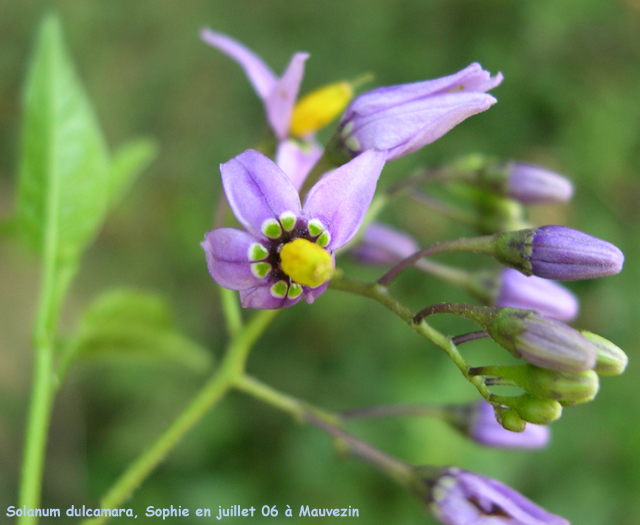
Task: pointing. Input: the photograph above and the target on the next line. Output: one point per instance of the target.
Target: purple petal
(472, 78)
(260, 75)
(260, 297)
(227, 258)
(534, 293)
(296, 159)
(311, 294)
(341, 198)
(280, 101)
(404, 129)
(257, 190)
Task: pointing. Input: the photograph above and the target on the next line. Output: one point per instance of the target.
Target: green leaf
(127, 323)
(127, 164)
(64, 165)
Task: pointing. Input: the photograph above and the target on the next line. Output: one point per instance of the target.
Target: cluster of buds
(293, 227)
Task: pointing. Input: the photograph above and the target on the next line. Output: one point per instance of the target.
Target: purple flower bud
(460, 497)
(565, 254)
(487, 431)
(541, 340)
(382, 244)
(402, 119)
(534, 293)
(557, 252)
(532, 184)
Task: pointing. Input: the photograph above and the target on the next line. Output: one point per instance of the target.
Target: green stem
(484, 245)
(381, 294)
(231, 310)
(394, 411)
(230, 370)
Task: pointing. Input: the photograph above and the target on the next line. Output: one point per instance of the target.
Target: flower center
(306, 262)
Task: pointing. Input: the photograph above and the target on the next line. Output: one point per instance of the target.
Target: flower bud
(565, 387)
(526, 183)
(510, 420)
(536, 410)
(534, 293)
(382, 244)
(558, 252)
(483, 428)
(610, 359)
(540, 340)
(459, 497)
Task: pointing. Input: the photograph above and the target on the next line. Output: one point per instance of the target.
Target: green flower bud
(610, 359)
(510, 420)
(536, 410)
(565, 387)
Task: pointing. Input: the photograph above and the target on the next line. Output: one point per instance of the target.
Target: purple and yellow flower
(286, 252)
(293, 124)
(402, 119)
(460, 497)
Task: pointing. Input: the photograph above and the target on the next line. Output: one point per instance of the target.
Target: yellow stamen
(306, 262)
(320, 107)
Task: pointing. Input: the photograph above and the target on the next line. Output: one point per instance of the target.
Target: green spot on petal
(347, 129)
(260, 269)
(324, 239)
(315, 227)
(257, 252)
(271, 228)
(279, 289)
(288, 220)
(294, 291)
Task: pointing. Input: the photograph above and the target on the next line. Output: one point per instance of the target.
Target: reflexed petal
(260, 75)
(472, 78)
(257, 190)
(341, 198)
(311, 294)
(404, 129)
(279, 103)
(297, 158)
(227, 258)
(261, 298)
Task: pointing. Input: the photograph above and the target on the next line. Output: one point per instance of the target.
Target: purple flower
(402, 119)
(565, 254)
(487, 431)
(287, 251)
(532, 184)
(295, 158)
(534, 293)
(459, 497)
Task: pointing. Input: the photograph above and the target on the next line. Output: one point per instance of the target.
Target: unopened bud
(534, 293)
(526, 183)
(610, 359)
(558, 252)
(540, 340)
(511, 420)
(565, 387)
(537, 410)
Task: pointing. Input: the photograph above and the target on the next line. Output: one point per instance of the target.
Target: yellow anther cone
(317, 109)
(306, 262)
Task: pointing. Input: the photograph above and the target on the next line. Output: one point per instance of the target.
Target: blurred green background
(570, 100)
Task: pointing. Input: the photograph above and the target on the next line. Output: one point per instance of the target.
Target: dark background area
(570, 101)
